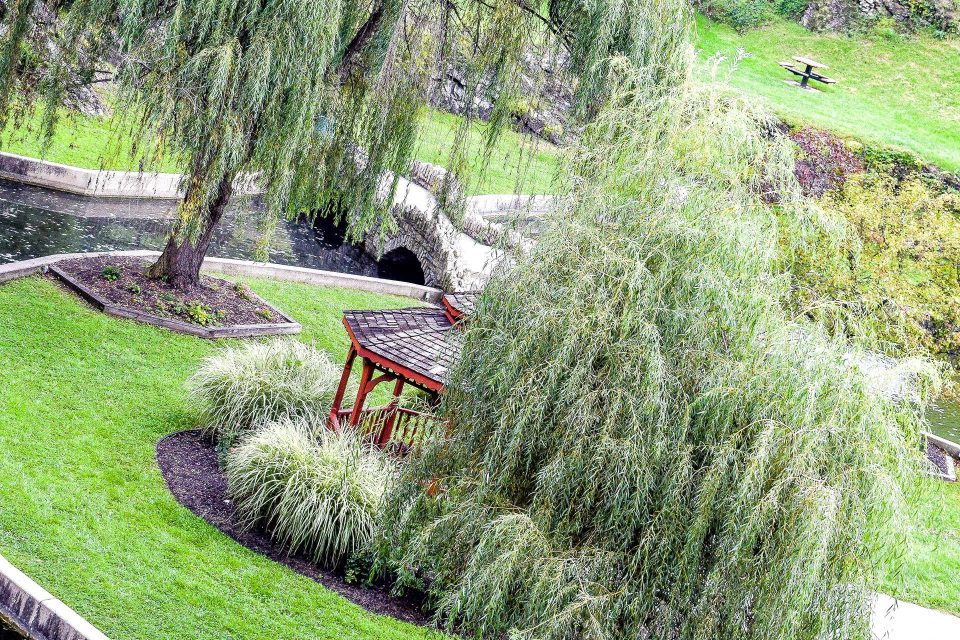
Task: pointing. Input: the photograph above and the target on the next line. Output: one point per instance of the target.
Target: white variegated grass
(317, 492)
(248, 385)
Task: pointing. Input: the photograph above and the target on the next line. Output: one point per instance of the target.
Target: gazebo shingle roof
(421, 339)
(460, 303)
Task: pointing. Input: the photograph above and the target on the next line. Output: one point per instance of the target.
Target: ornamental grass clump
(246, 386)
(316, 492)
(645, 444)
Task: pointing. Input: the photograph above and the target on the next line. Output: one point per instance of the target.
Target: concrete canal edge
(227, 266)
(102, 183)
(34, 612)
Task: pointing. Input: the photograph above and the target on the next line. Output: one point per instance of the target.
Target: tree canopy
(643, 444)
(320, 100)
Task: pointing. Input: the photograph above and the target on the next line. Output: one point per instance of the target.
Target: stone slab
(103, 183)
(33, 611)
(898, 620)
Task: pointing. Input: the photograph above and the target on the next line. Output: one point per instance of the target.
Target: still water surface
(36, 222)
(945, 419)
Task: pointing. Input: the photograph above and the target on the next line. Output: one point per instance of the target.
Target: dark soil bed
(188, 463)
(938, 457)
(214, 302)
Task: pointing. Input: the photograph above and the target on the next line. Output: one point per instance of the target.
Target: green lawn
(930, 571)
(518, 164)
(900, 92)
(83, 400)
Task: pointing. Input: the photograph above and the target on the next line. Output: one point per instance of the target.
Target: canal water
(945, 419)
(36, 222)
(6, 633)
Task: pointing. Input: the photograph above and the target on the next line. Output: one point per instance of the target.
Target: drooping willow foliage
(321, 100)
(642, 443)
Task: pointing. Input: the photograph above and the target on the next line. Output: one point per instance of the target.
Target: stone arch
(426, 234)
(401, 264)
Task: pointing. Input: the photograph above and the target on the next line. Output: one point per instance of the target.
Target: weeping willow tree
(317, 101)
(642, 443)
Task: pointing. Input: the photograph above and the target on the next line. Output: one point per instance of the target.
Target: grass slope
(893, 91)
(930, 571)
(518, 164)
(83, 400)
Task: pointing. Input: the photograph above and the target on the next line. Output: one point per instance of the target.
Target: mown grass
(518, 163)
(896, 91)
(83, 400)
(930, 567)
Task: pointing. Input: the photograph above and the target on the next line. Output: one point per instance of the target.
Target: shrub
(111, 273)
(740, 14)
(246, 386)
(199, 313)
(825, 161)
(896, 284)
(791, 8)
(316, 494)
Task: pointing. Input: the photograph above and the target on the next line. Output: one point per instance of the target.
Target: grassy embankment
(891, 90)
(517, 163)
(84, 398)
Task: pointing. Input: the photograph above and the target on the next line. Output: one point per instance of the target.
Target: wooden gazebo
(417, 347)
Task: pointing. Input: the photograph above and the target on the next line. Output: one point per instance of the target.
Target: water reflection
(37, 222)
(944, 419)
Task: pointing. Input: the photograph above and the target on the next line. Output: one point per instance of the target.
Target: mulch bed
(189, 465)
(938, 457)
(224, 303)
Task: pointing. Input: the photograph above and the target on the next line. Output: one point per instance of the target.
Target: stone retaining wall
(101, 183)
(34, 612)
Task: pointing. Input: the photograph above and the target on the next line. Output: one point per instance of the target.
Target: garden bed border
(34, 612)
(287, 327)
(952, 449)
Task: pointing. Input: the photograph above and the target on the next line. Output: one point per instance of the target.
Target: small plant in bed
(111, 273)
(316, 492)
(199, 313)
(246, 386)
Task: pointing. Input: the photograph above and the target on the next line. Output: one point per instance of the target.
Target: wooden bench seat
(823, 79)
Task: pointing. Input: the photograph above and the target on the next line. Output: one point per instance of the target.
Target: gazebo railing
(390, 426)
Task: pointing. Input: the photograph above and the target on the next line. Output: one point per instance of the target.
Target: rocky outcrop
(845, 15)
(543, 110)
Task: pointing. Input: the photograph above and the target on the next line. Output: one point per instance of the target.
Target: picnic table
(808, 73)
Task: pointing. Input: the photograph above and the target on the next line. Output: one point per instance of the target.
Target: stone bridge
(451, 258)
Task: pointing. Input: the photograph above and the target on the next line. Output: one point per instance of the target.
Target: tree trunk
(180, 262)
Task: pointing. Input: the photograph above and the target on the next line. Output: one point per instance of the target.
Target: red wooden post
(387, 429)
(342, 389)
(365, 375)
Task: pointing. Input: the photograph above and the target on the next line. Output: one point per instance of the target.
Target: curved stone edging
(228, 266)
(103, 183)
(952, 449)
(34, 612)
